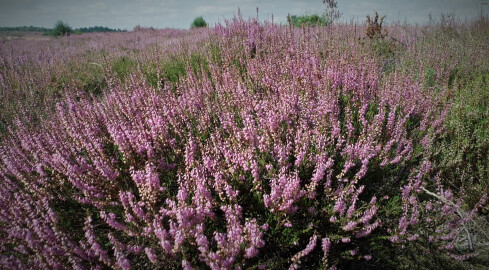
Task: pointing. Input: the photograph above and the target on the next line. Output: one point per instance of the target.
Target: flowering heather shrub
(269, 156)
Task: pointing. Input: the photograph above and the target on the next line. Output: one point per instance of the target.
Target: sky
(126, 14)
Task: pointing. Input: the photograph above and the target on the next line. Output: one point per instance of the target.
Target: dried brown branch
(374, 27)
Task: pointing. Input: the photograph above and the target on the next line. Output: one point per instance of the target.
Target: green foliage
(151, 75)
(430, 77)
(61, 29)
(174, 69)
(198, 62)
(198, 22)
(122, 67)
(464, 152)
(383, 48)
(92, 81)
(308, 20)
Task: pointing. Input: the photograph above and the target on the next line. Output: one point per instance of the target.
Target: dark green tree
(198, 22)
(61, 29)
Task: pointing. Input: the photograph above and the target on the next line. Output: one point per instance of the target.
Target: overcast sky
(126, 14)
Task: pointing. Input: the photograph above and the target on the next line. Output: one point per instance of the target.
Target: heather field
(248, 145)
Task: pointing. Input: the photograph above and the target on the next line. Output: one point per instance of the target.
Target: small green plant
(61, 29)
(198, 22)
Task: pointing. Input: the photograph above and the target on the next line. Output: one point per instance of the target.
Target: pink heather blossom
(151, 255)
(339, 206)
(285, 191)
(350, 226)
(310, 246)
(326, 246)
(186, 265)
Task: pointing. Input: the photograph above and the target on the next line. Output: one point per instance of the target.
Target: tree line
(61, 29)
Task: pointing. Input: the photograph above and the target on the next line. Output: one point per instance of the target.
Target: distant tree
(198, 22)
(61, 29)
(93, 29)
(307, 20)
